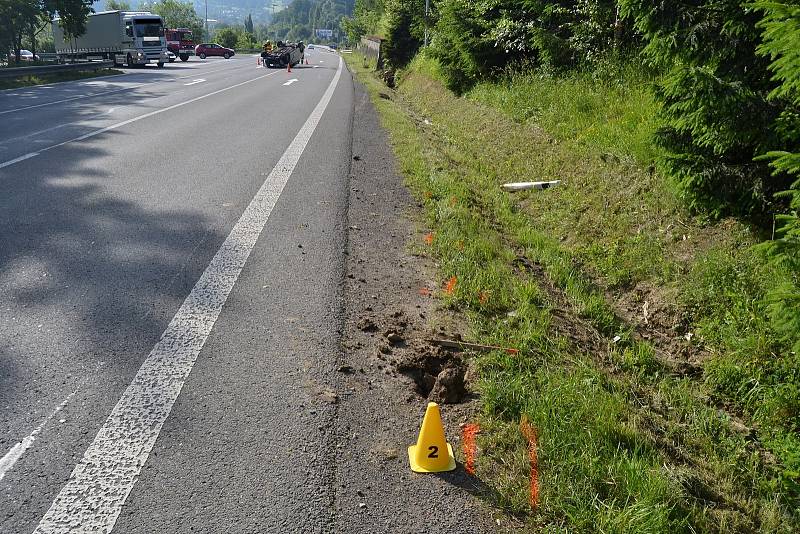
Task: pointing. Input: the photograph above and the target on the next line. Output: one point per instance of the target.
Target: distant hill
(230, 11)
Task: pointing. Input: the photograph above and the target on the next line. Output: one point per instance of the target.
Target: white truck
(130, 37)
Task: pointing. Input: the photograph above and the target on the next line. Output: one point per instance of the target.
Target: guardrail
(17, 72)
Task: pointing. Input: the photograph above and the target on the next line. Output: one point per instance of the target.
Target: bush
(781, 29)
(404, 32)
(716, 116)
(227, 37)
(463, 43)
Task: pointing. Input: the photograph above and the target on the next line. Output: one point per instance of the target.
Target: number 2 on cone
(434, 451)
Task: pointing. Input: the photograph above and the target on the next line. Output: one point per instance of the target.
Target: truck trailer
(129, 37)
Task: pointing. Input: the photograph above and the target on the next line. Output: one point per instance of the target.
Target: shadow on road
(92, 268)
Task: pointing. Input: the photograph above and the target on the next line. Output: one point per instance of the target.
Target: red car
(212, 49)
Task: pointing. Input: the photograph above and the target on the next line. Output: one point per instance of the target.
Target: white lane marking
(316, 66)
(71, 98)
(129, 121)
(92, 498)
(16, 452)
(209, 71)
(290, 82)
(99, 94)
(49, 85)
(17, 160)
(199, 80)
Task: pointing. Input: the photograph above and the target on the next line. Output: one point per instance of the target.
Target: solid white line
(92, 498)
(72, 98)
(17, 160)
(129, 121)
(16, 452)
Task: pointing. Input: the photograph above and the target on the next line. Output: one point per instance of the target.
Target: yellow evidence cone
(432, 453)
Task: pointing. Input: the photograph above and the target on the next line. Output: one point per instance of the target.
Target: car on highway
(24, 55)
(212, 49)
(310, 47)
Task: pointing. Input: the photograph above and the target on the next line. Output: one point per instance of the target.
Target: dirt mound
(437, 374)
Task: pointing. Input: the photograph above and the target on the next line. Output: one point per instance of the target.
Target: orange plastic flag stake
(429, 238)
(468, 433)
(451, 285)
(530, 434)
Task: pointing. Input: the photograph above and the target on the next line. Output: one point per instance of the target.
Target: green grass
(625, 445)
(41, 79)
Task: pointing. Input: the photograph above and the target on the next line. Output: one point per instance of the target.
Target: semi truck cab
(146, 33)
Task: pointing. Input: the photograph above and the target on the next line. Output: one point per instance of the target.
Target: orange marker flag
(451, 285)
(468, 433)
(530, 434)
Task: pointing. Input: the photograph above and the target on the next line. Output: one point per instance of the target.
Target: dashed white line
(92, 498)
(290, 82)
(193, 82)
(16, 452)
(29, 155)
(129, 121)
(72, 98)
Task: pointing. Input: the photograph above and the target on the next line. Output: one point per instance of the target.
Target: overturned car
(282, 55)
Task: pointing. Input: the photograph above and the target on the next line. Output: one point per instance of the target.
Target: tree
(404, 30)
(27, 18)
(117, 5)
(177, 14)
(18, 18)
(781, 33)
(365, 19)
(248, 24)
(227, 37)
(72, 15)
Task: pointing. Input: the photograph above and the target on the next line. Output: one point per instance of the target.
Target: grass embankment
(42, 79)
(645, 355)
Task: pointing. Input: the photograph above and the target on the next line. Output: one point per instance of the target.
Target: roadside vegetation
(653, 293)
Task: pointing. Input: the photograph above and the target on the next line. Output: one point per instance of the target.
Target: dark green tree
(17, 19)
(72, 14)
(781, 45)
(475, 39)
(716, 115)
(404, 31)
(248, 24)
(365, 19)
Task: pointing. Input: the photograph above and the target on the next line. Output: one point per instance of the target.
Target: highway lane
(34, 122)
(101, 240)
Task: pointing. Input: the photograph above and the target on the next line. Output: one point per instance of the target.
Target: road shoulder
(379, 410)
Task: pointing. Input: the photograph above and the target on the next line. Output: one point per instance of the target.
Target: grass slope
(643, 424)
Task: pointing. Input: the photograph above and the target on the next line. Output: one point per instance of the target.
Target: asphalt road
(172, 255)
